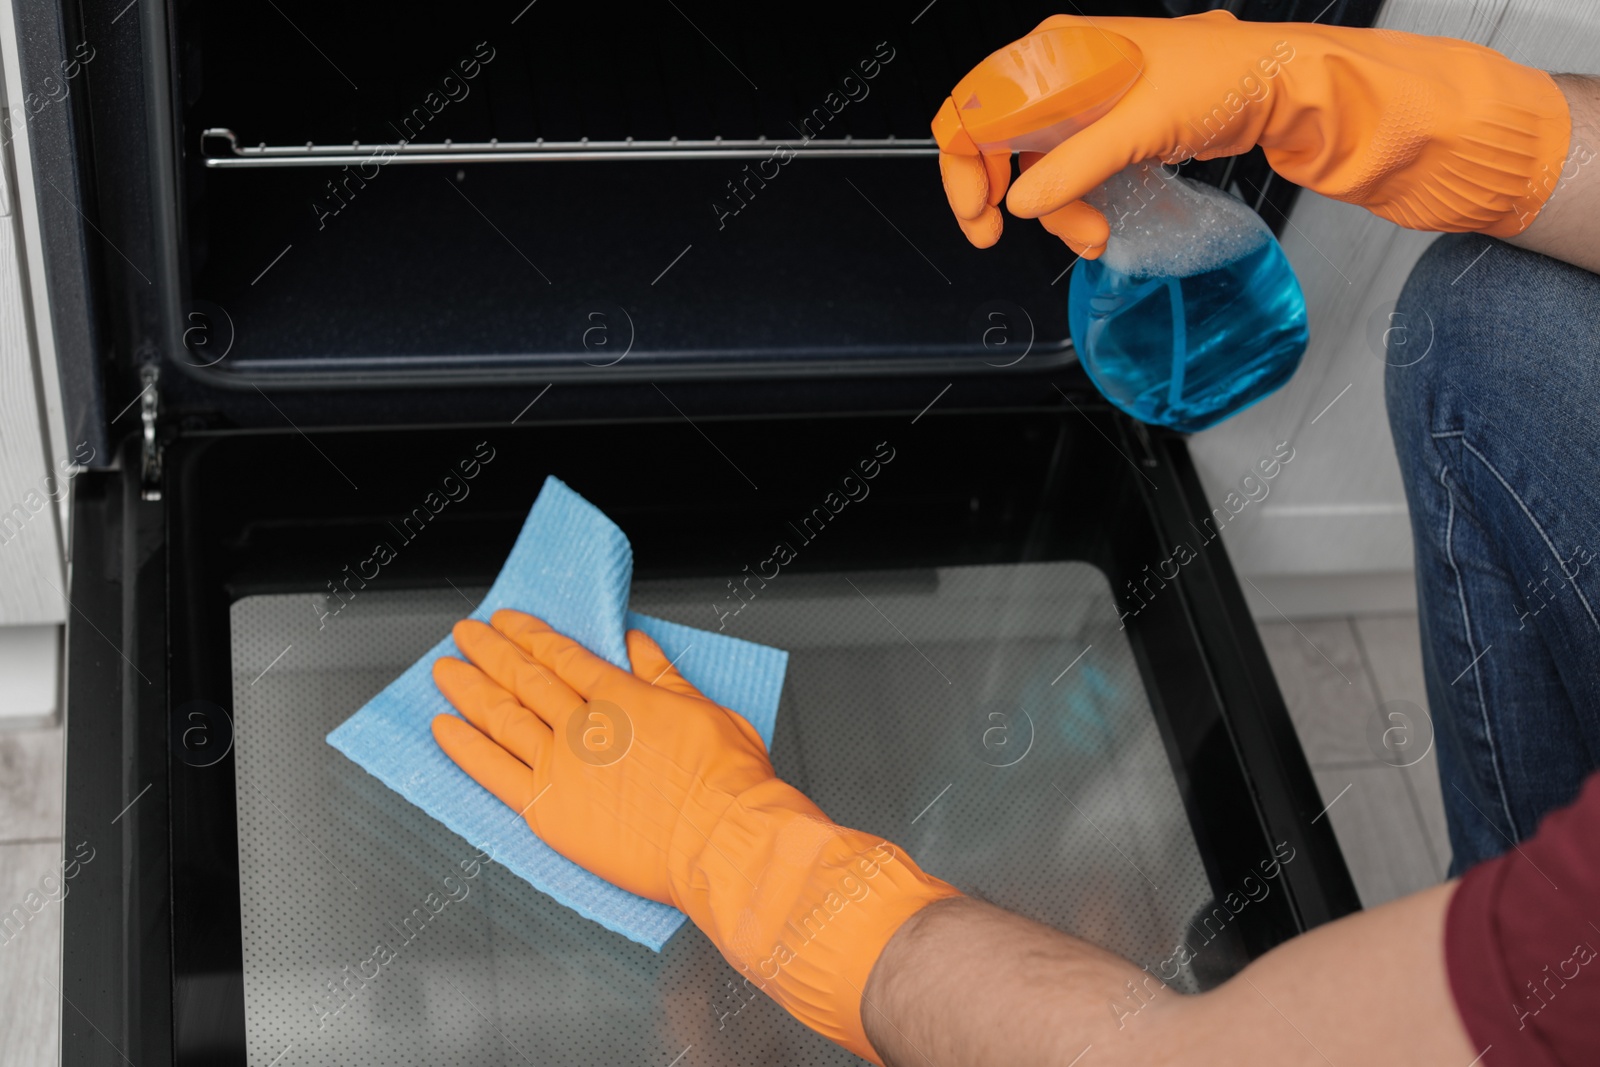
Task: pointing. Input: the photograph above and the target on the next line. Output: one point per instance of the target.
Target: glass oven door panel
(991, 719)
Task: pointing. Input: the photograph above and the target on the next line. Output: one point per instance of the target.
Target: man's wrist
(801, 906)
(1564, 225)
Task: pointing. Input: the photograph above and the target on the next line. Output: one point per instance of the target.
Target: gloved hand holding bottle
(642, 780)
(1430, 133)
(1194, 313)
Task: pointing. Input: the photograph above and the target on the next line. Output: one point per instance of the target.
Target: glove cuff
(800, 906)
(1546, 136)
(1430, 133)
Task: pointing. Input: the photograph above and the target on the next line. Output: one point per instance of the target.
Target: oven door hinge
(149, 412)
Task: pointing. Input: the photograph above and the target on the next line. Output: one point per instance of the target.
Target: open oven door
(1016, 653)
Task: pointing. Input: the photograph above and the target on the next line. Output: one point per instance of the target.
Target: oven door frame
(116, 927)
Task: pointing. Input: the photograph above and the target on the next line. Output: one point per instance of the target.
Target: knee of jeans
(1427, 320)
(1412, 341)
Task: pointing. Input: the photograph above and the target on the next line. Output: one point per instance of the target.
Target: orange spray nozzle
(1035, 93)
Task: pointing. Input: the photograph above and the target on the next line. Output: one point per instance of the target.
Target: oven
(694, 260)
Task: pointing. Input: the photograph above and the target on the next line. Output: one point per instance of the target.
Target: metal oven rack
(222, 149)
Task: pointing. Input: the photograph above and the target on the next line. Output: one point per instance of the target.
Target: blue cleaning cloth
(571, 566)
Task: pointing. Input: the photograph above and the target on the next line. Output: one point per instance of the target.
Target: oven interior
(527, 190)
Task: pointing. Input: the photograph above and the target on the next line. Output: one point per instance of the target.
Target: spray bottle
(1192, 313)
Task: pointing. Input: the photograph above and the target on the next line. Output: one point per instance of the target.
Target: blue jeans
(1497, 428)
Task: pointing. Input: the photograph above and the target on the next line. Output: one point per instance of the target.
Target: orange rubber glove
(1430, 133)
(642, 780)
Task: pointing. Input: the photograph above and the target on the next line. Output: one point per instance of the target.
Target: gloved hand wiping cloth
(642, 780)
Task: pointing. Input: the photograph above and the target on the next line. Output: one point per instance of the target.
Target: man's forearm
(1569, 226)
(965, 982)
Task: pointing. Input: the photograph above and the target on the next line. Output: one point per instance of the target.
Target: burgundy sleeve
(1520, 942)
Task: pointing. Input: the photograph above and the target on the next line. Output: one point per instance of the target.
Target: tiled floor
(1348, 684)
(30, 851)
(1337, 676)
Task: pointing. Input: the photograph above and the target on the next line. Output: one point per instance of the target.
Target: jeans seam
(1465, 443)
(1466, 623)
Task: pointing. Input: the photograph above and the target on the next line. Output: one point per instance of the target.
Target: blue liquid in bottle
(1189, 351)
